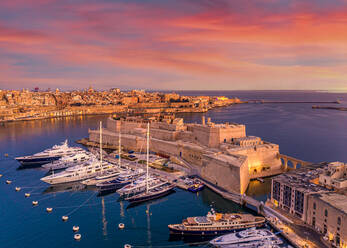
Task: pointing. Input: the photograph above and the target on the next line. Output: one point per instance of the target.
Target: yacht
(103, 177)
(80, 172)
(151, 194)
(69, 161)
(216, 223)
(140, 185)
(49, 155)
(122, 180)
(247, 238)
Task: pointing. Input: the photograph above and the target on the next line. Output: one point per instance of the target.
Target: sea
(313, 135)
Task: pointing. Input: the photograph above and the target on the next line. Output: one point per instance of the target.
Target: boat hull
(211, 232)
(37, 160)
(150, 197)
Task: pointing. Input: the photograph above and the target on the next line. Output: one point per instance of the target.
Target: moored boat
(68, 161)
(122, 180)
(216, 223)
(247, 238)
(103, 177)
(151, 194)
(49, 155)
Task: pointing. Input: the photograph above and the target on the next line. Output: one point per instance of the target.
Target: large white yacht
(69, 161)
(248, 238)
(80, 172)
(49, 155)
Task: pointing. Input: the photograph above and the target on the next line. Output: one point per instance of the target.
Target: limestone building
(220, 153)
(314, 194)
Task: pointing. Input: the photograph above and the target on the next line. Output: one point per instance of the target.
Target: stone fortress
(220, 153)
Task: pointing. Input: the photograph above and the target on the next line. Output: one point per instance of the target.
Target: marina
(100, 215)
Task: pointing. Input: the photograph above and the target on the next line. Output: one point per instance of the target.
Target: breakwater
(329, 107)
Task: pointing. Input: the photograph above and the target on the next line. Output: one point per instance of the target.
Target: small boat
(151, 194)
(216, 223)
(49, 210)
(197, 186)
(260, 179)
(247, 238)
(49, 155)
(35, 203)
(121, 226)
(65, 218)
(8, 181)
(75, 228)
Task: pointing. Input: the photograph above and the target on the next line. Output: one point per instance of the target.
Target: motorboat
(89, 169)
(216, 223)
(49, 155)
(248, 237)
(103, 177)
(69, 161)
(122, 180)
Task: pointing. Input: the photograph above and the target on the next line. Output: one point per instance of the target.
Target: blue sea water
(310, 134)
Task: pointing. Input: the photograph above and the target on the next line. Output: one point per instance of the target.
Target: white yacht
(80, 172)
(69, 161)
(49, 155)
(248, 238)
(140, 185)
(103, 177)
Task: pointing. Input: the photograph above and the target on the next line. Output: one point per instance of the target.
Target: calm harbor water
(309, 134)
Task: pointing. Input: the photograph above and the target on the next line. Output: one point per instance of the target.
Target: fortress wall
(192, 154)
(163, 134)
(230, 177)
(229, 132)
(263, 158)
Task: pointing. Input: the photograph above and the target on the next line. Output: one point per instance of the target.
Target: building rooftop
(302, 178)
(336, 200)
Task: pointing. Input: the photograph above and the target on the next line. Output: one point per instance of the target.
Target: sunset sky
(178, 44)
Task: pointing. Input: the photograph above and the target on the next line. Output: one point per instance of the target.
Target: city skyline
(173, 45)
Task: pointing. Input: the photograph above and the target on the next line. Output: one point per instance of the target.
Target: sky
(174, 44)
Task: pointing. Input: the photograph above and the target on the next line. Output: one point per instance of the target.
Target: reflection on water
(258, 190)
(65, 187)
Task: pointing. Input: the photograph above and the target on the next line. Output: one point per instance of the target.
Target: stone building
(301, 194)
(327, 213)
(220, 153)
(335, 176)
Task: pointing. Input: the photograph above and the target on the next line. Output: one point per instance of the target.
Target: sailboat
(157, 190)
(104, 175)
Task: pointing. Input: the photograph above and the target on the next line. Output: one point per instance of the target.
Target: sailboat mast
(147, 157)
(101, 144)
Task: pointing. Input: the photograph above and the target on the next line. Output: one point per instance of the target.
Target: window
(339, 220)
(314, 205)
(325, 229)
(326, 213)
(314, 221)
